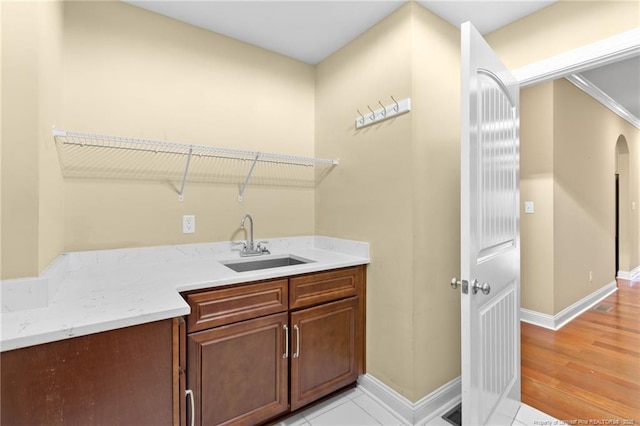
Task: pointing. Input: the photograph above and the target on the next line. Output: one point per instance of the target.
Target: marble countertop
(88, 292)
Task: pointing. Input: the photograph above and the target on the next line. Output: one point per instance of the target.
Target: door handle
(296, 354)
(464, 284)
(286, 341)
(484, 287)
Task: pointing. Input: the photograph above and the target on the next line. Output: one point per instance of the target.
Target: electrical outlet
(590, 276)
(188, 224)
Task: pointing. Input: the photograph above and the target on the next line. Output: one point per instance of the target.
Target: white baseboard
(427, 408)
(630, 275)
(556, 322)
(439, 401)
(538, 318)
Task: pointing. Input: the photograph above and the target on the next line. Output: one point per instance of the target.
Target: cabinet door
(238, 372)
(118, 377)
(323, 346)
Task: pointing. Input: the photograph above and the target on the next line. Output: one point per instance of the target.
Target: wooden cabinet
(229, 305)
(248, 354)
(260, 350)
(313, 289)
(237, 353)
(324, 350)
(239, 373)
(119, 377)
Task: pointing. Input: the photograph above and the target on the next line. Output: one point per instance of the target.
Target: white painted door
(490, 242)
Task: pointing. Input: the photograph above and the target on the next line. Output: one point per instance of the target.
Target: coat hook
(362, 119)
(397, 107)
(384, 109)
(373, 114)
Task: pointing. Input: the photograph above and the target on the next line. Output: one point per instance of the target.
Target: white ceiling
(486, 16)
(305, 30)
(620, 81)
(311, 30)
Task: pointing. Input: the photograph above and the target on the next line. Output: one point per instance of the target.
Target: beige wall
(399, 190)
(536, 184)
(585, 137)
(50, 184)
(568, 166)
(436, 201)
(370, 195)
(31, 184)
(107, 67)
(131, 72)
(21, 51)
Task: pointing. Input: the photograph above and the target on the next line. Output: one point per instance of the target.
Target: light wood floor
(589, 370)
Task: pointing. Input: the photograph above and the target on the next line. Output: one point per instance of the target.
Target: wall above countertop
(114, 69)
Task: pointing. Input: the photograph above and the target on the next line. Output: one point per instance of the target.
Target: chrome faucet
(249, 248)
(249, 245)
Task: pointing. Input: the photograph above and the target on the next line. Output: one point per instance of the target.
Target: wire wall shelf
(88, 155)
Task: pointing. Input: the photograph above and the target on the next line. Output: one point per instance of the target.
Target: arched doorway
(622, 240)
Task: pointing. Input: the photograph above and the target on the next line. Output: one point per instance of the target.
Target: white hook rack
(392, 110)
(97, 165)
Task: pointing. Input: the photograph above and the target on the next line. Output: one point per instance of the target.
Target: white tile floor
(356, 408)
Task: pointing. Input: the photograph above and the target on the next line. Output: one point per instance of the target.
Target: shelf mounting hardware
(184, 176)
(246, 180)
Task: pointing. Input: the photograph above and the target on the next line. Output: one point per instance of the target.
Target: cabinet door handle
(296, 354)
(286, 341)
(189, 393)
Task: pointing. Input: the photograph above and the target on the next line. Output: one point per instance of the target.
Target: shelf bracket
(246, 181)
(184, 177)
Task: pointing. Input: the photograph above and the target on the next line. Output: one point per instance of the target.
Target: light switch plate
(528, 207)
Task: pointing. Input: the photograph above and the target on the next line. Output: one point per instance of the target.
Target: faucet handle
(261, 248)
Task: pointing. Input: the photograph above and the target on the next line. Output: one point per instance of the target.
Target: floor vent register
(454, 416)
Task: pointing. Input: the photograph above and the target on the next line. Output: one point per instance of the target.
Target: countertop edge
(85, 330)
